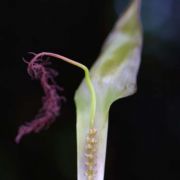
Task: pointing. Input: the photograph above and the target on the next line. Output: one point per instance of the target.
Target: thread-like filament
(90, 153)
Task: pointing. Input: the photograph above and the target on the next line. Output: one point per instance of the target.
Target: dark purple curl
(37, 69)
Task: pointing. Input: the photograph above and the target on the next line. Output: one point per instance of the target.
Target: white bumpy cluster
(90, 154)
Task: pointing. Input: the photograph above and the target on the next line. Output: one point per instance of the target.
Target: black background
(144, 129)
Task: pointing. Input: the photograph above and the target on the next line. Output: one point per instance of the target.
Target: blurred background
(144, 129)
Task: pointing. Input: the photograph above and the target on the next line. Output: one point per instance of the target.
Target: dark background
(144, 129)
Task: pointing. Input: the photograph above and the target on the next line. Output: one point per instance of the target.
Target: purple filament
(51, 100)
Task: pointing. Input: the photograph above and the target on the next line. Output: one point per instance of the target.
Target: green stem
(87, 79)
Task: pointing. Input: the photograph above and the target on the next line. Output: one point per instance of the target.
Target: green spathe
(113, 76)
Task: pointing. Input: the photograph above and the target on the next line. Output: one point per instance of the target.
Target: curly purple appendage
(51, 101)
